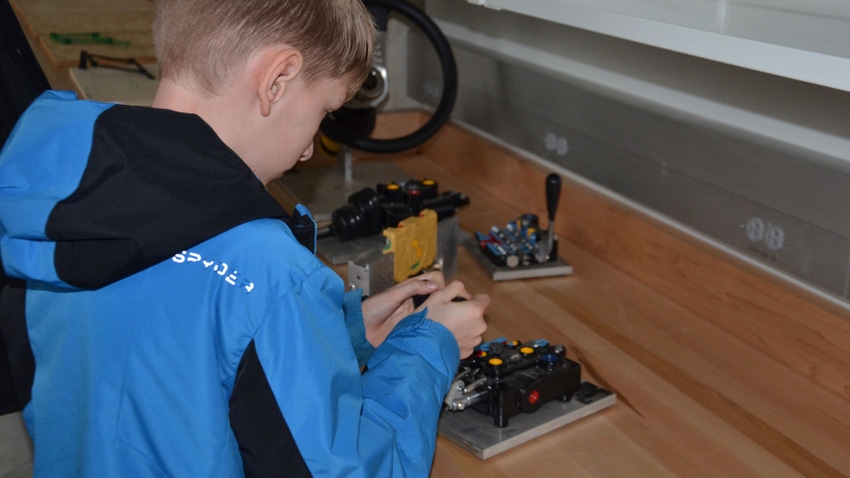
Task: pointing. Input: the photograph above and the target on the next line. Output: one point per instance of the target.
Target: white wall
(717, 148)
(796, 113)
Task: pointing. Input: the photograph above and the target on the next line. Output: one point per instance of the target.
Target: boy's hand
(383, 311)
(464, 319)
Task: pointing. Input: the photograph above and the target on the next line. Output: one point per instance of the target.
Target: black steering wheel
(352, 124)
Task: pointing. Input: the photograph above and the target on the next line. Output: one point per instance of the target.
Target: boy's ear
(279, 71)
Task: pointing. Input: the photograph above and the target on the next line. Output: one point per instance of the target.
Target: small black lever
(553, 194)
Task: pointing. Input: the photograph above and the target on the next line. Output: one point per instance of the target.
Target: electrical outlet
(774, 237)
(754, 229)
(760, 232)
(556, 144)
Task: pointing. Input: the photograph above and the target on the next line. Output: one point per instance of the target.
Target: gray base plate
(477, 434)
(337, 252)
(557, 267)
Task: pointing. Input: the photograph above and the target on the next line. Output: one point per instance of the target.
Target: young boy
(166, 319)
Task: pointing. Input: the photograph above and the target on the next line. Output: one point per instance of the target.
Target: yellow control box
(413, 243)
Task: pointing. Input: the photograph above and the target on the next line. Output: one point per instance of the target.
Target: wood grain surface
(720, 370)
(125, 20)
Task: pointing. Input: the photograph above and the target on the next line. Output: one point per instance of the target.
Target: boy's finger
(433, 276)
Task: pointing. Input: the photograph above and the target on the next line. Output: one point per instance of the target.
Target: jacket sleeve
(356, 328)
(379, 423)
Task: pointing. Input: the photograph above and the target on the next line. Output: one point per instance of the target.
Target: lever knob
(553, 193)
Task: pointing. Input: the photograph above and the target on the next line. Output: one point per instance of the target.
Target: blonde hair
(207, 42)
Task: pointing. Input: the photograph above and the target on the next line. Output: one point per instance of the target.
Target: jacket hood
(91, 192)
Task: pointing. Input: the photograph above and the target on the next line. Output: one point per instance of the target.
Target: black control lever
(420, 299)
(553, 194)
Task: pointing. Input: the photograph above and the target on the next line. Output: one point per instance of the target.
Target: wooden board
(126, 20)
(719, 370)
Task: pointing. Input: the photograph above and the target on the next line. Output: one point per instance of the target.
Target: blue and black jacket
(165, 318)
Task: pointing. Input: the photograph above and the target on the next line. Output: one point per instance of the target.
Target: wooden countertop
(720, 369)
(128, 21)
